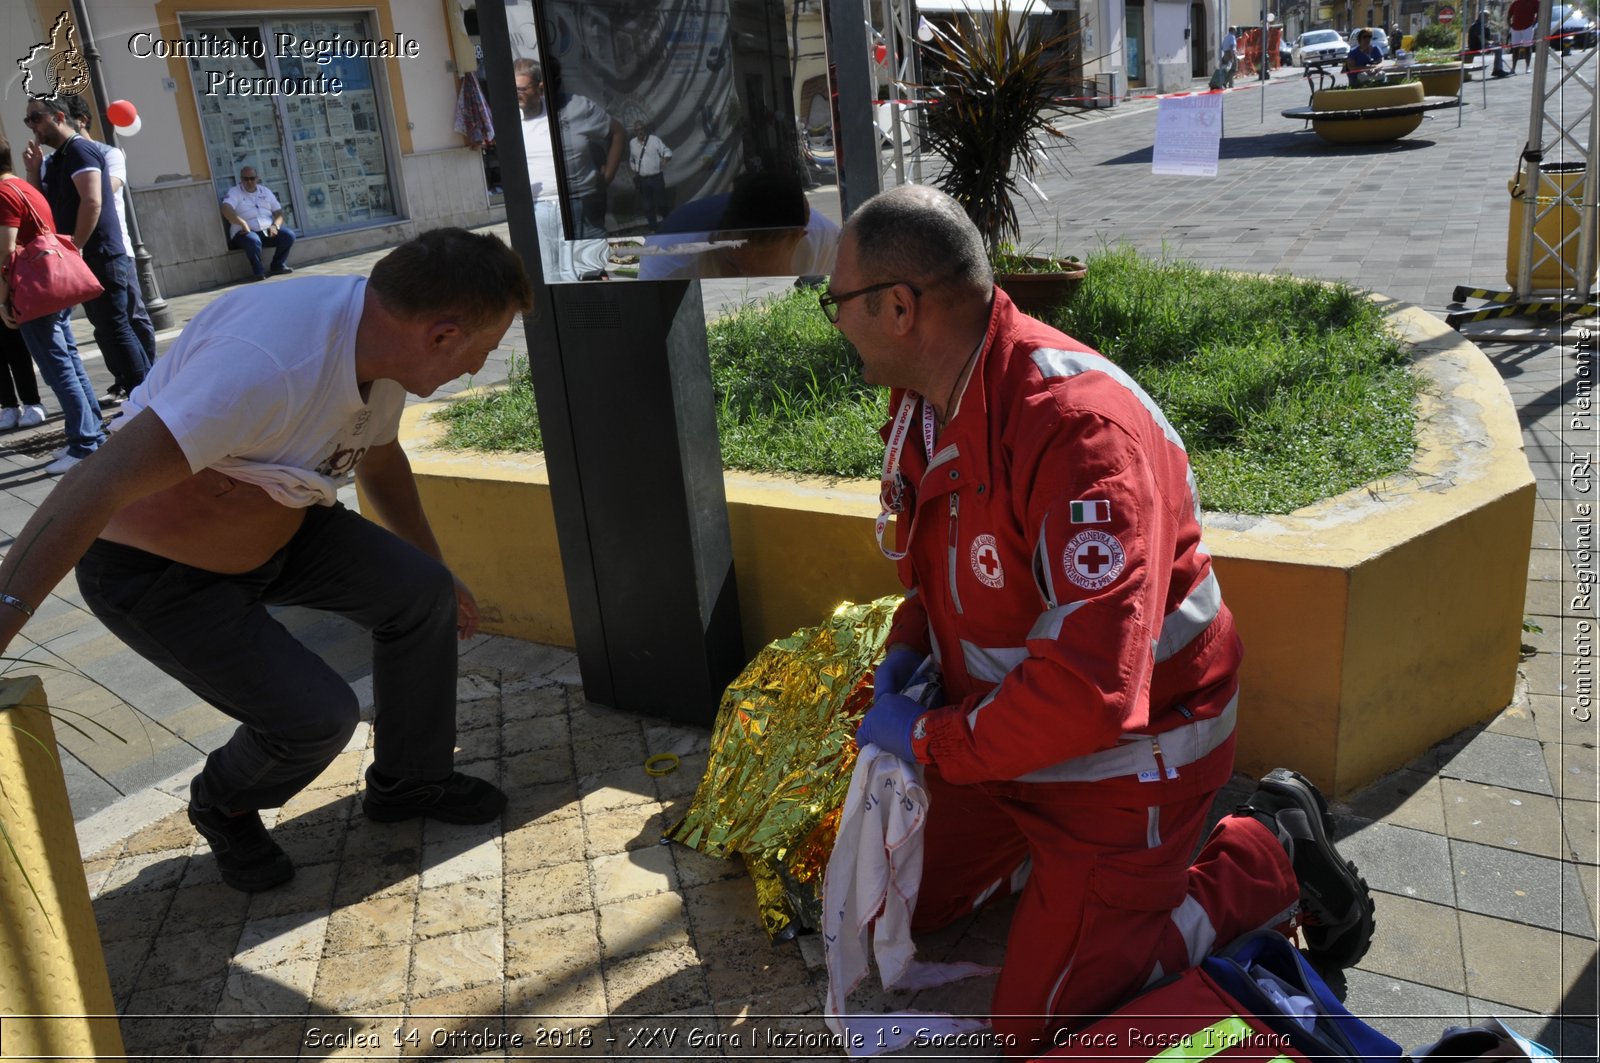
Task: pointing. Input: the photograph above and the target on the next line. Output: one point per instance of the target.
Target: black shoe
(246, 854)
(275, 270)
(457, 799)
(254, 277)
(1336, 910)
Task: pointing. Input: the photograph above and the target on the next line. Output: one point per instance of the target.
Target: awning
(979, 7)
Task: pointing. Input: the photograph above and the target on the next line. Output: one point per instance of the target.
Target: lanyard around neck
(892, 489)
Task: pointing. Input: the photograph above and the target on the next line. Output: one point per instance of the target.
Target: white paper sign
(1188, 135)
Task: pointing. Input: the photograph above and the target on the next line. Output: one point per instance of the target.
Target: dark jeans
(653, 196)
(110, 315)
(250, 243)
(18, 385)
(213, 634)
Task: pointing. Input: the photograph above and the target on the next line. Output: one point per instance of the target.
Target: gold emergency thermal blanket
(782, 752)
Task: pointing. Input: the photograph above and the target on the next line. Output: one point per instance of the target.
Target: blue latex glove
(895, 671)
(888, 725)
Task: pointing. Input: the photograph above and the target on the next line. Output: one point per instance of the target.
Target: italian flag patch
(1091, 511)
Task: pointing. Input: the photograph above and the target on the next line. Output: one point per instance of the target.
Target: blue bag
(1335, 1034)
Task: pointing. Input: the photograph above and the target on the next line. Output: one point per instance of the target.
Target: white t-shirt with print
(261, 386)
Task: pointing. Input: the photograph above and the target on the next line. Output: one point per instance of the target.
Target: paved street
(1483, 851)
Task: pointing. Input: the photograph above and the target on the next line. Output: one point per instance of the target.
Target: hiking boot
(456, 799)
(1336, 910)
(246, 854)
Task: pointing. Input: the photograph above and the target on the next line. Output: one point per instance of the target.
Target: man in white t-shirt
(647, 155)
(215, 498)
(586, 131)
(255, 217)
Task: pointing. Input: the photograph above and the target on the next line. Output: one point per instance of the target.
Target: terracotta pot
(1036, 293)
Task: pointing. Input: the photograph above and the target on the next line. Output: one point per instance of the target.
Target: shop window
(323, 154)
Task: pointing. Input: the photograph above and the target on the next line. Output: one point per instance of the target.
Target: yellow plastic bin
(1557, 180)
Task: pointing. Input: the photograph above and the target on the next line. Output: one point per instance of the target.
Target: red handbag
(47, 273)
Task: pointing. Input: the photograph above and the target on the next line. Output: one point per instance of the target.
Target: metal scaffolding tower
(1552, 259)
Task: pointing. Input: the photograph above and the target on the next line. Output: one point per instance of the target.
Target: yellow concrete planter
(55, 995)
(1439, 79)
(1374, 128)
(1375, 623)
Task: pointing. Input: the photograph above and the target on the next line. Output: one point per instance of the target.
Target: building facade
(347, 113)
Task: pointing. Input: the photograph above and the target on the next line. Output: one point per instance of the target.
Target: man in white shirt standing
(647, 155)
(255, 217)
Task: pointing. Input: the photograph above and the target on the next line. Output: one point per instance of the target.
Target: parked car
(1285, 52)
(1320, 46)
(1569, 21)
(1380, 38)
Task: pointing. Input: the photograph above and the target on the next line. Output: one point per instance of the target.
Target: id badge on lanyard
(893, 490)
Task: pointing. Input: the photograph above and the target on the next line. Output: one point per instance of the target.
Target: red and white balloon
(125, 117)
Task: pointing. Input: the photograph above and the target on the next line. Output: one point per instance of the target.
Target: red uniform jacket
(1055, 570)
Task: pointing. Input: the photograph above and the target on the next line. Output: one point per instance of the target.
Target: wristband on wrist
(16, 603)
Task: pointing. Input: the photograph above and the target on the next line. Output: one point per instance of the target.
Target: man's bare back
(210, 521)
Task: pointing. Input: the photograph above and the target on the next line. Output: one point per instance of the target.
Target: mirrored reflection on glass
(686, 134)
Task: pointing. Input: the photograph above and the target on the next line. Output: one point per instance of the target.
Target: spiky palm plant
(995, 109)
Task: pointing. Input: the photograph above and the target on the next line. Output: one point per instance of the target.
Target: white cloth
(647, 155)
(871, 884)
(261, 385)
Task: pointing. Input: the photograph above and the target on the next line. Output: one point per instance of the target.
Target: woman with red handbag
(23, 211)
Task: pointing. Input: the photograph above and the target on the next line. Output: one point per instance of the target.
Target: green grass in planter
(1285, 391)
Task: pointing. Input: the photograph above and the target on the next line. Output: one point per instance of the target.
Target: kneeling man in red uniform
(1047, 530)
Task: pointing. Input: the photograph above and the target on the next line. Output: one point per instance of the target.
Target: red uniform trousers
(1110, 900)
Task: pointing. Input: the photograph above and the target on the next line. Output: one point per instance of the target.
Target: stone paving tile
(452, 853)
(654, 983)
(547, 891)
(1523, 966)
(1410, 863)
(1416, 941)
(643, 924)
(170, 1018)
(619, 876)
(457, 961)
(1407, 1012)
(1519, 886)
(1510, 819)
(363, 980)
(1404, 798)
(1496, 759)
(1572, 770)
(369, 923)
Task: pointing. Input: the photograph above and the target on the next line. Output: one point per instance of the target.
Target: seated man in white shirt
(255, 217)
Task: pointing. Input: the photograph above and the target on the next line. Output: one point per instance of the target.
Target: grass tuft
(1285, 391)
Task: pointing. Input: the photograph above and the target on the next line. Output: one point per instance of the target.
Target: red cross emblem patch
(986, 562)
(1093, 559)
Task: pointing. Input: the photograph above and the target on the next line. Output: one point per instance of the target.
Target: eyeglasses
(830, 303)
(250, 178)
(33, 117)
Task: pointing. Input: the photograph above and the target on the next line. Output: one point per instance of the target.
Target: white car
(1321, 46)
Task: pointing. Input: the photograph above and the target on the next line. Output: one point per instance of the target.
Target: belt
(1136, 754)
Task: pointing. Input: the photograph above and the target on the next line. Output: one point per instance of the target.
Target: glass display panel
(668, 139)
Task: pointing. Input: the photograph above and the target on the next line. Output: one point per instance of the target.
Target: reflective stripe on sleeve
(1184, 624)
